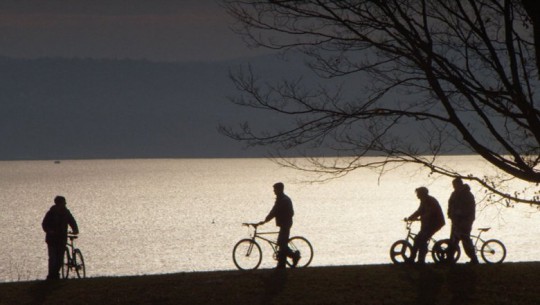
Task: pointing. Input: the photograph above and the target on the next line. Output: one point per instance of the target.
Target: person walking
(283, 212)
(461, 211)
(55, 224)
(432, 220)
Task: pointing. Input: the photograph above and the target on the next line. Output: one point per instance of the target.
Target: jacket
(462, 206)
(282, 211)
(55, 224)
(430, 213)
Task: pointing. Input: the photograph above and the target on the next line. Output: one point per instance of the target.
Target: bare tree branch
(463, 74)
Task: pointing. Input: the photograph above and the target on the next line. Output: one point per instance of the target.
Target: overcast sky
(160, 30)
(179, 106)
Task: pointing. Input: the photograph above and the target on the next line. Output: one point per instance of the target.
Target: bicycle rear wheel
(441, 252)
(247, 254)
(400, 251)
(493, 251)
(78, 264)
(66, 262)
(304, 248)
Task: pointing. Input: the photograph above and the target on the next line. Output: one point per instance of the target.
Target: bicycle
(492, 251)
(73, 259)
(401, 250)
(247, 254)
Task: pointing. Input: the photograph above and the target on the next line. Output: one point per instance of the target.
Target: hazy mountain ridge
(56, 108)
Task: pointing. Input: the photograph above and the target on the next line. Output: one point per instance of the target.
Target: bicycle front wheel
(493, 251)
(305, 251)
(247, 255)
(66, 263)
(78, 264)
(400, 251)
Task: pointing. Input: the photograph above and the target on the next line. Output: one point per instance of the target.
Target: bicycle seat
(483, 229)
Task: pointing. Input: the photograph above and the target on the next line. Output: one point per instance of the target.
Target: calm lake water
(180, 215)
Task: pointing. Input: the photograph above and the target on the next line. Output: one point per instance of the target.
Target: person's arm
(470, 206)
(46, 224)
(417, 214)
(73, 223)
(270, 215)
(451, 206)
(414, 216)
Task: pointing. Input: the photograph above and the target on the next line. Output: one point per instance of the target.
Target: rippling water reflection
(165, 216)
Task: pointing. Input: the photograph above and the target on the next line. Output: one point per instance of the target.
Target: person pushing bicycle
(283, 212)
(432, 220)
(461, 211)
(55, 224)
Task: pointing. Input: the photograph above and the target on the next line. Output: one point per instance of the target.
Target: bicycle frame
(71, 246)
(402, 249)
(491, 250)
(74, 259)
(247, 252)
(259, 235)
(410, 235)
(477, 239)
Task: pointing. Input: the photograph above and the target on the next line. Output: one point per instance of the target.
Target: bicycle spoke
(301, 250)
(400, 251)
(442, 252)
(66, 263)
(493, 251)
(247, 255)
(78, 263)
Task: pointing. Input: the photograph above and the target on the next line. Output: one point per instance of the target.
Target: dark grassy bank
(512, 283)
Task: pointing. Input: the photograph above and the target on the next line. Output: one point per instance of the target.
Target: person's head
(457, 183)
(422, 192)
(60, 200)
(279, 188)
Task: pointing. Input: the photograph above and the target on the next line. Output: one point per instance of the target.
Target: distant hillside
(86, 108)
(54, 108)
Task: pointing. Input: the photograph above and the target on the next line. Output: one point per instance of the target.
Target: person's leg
(60, 257)
(283, 244)
(468, 244)
(454, 242)
(52, 261)
(421, 243)
(56, 255)
(414, 251)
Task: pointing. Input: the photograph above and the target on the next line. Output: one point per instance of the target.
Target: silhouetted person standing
(461, 211)
(55, 224)
(283, 213)
(432, 220)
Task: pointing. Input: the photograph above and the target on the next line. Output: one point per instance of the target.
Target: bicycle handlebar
(410, 220)
(247, 224)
